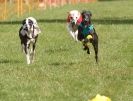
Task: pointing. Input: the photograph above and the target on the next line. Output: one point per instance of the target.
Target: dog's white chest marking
(30, 41)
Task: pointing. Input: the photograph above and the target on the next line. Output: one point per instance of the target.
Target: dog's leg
(76, 35)
(22, 43)
(28, 58)
(32, 53)
(86, 47)
(27, 52)
(33, 49)
(23, 48)
(69, 27)
(73, 35)
(86, 42)
(95, 45)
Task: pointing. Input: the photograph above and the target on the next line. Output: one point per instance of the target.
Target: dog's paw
(88, 52)
(85, 48)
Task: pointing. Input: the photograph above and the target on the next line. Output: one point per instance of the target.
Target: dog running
(73, 20)
(87, 33)
(28, 34)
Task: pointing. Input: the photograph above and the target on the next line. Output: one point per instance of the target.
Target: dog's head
(86, 17)
(73, 16)
(28, 24)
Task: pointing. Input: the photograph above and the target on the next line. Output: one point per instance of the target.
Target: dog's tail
(95, 45)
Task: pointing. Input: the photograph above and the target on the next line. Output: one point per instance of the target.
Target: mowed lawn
(62, 70)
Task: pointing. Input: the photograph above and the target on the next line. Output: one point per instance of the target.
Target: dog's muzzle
(85, 22)
(86, 19)
(73, 23)
(26, 28)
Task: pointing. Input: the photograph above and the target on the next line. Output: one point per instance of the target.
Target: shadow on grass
(62, 64)
(105, 21)
(113, 21)
(39, 21)
(6, 61)
(56, 50)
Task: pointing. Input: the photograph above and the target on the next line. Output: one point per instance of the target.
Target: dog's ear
(24, 21)
(86, 12)
(83, 12)
(68, 12)
(89, 12)
(79, 14)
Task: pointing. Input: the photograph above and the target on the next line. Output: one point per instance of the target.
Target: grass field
(62, 70)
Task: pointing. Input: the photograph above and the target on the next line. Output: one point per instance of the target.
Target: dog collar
(79, 20)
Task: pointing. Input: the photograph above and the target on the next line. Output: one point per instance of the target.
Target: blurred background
(9, 8)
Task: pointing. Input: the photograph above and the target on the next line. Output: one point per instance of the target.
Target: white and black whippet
(28, 34)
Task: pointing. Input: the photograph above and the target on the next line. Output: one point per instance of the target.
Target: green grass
(62, 70)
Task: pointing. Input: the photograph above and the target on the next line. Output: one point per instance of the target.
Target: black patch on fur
(24, 22)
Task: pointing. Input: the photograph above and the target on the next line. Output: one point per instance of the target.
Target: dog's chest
(74, 27)
(31, 41)
(29, 34)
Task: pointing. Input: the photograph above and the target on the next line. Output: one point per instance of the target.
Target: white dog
(28, 34)
(73, 20)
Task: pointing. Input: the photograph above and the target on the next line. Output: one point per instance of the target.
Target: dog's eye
(83, 16)
(30, 22)
(71, 17)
